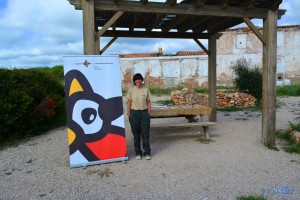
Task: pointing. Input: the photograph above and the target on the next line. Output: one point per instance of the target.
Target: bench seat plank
(180, 111)
(204, 125)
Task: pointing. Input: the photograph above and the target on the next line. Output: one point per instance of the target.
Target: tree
(248, 78)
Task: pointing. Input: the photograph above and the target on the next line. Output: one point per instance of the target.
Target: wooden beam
(144, 1)
(255, 30)
(274, 5)
(202, 46)
(109, 23)
(171, 2)
(154, 34)
(249, 4)
(107, 45)
(88, 15)
(269, 79)
(200, 3)
(225, 4)
(212, 77)
(97, 46)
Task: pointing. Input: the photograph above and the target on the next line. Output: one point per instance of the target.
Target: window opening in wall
(241, 41)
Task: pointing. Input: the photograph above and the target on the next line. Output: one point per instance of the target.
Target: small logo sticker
(86, 63)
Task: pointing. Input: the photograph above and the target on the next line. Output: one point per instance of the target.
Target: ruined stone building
(190, 68)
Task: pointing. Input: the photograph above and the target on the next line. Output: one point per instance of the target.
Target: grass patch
(288, 90)
(284, 134)
(106, 172)
(202, 91)
(295, 127)
(165, 102)
(29, 161)
(287, 134)
(241, 119)
(251, 197)
(292, 148)
(163, 91)
(203, 140)
(273, 147)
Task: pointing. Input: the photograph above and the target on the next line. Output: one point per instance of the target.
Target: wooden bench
(184, 111)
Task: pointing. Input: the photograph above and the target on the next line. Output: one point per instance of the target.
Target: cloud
(292, 15)
(39, 33)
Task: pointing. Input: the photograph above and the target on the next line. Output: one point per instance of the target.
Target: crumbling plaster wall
(166, 71)
(192, 71)
(243, 43)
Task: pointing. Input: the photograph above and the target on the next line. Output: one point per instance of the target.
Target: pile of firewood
(235, 100)
(188, 97)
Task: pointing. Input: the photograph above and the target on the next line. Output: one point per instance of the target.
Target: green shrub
(248, 79)
(31, 101)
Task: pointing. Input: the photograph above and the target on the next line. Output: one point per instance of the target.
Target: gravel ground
(235, 164)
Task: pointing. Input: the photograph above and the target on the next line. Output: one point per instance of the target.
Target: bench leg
(205, 129)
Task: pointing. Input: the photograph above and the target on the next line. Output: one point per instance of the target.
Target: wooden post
(88, 13)
(97, 45)
(269, 79)
(212, 77)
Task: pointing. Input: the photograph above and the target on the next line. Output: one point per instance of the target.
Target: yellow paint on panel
(75, 87)
(71, 136)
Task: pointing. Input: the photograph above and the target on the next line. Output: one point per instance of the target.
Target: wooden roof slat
(203, 26)
(192, 24)
(222, 27)
(175, 22)
(218, 24)
(155, 20)
(155, 34)
(136, 20)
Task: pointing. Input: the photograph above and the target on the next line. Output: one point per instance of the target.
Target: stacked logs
(235, 100)
(188, 97)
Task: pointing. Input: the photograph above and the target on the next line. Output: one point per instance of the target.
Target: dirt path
(235, 164)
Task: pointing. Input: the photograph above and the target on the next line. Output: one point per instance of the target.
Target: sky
(39, 33)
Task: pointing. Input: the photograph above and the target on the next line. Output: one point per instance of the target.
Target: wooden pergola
(189, 19)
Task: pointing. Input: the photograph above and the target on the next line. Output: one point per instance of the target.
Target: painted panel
(95, 119)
